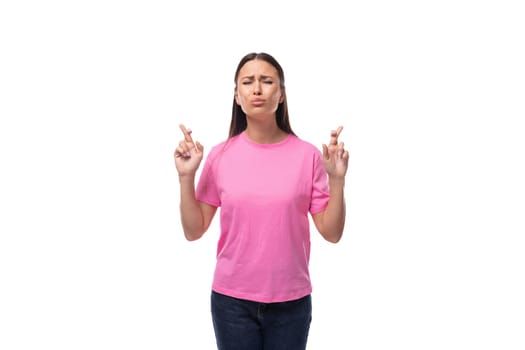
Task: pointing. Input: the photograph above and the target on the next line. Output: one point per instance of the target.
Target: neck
(264, 132)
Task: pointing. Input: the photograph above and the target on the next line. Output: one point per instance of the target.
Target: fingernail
(187, 154)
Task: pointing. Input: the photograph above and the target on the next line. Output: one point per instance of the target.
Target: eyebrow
(261, 76)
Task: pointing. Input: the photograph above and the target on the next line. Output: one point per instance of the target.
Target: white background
(431, 95)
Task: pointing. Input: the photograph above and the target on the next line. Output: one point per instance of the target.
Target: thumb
(325, 152)
(198, 146)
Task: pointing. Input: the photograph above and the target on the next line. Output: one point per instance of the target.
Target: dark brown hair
(238, 123)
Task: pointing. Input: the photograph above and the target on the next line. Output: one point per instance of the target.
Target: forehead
(256, 68)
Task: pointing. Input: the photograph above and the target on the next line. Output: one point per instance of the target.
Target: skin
(258, 92)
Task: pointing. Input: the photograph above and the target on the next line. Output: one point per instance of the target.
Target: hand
(188, 154)
(335, 158)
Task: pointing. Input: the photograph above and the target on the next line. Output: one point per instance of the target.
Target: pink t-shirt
(265, 192)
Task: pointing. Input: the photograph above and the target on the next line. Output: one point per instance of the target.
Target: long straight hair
(238, 123)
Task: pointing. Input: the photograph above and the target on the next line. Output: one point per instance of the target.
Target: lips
(257, 102)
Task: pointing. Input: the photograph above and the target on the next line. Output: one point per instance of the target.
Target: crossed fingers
(186, 145)
(335, 149)
(187, 134)
(334, 135)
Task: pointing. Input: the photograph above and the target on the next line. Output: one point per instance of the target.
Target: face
(258, 90)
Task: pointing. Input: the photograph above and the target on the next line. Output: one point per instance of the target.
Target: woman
(266, 180)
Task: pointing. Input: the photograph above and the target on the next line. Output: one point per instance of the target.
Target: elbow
(192, 236)
(333, 234)
(334, 238)
(331, 228)
(193, 232)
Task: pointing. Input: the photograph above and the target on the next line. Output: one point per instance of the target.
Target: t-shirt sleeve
(320, 189)
(207, 186)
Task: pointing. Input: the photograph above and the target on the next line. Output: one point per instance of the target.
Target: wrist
(187, 178)
(336, 180)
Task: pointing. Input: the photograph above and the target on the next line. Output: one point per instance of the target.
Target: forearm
(333, 219)
(190, 210)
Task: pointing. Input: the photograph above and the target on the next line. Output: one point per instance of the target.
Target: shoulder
(304, 145)
(221, 147)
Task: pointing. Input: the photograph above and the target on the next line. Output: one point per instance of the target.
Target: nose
(257, 88)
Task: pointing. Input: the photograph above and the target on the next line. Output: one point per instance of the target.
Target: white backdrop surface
(431, 95)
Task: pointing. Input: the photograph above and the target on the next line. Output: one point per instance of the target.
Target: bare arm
(331, 221)
(195, 215)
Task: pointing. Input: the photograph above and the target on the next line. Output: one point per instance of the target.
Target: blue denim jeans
(247, 325)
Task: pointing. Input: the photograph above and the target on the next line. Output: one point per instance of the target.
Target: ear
(236, 97)
(283, 95)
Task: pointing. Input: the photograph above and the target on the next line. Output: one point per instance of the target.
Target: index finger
(187, 133)
(335, 134)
